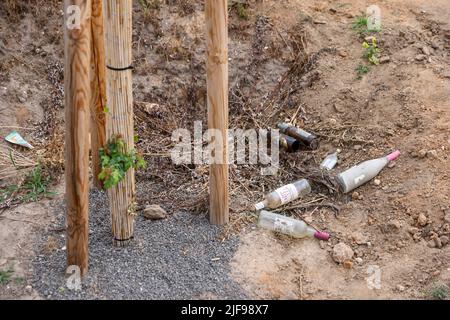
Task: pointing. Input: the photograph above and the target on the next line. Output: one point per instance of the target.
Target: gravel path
(176, 258)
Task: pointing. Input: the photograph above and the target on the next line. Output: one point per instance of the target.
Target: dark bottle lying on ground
(307, 139)
(287, 143)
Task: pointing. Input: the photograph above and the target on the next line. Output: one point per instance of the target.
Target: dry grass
(14, 163)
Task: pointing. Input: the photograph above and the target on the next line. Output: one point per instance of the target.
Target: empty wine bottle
(330, 161)
(307, 139)
(284, 195)
(363, 172)
(292, 227)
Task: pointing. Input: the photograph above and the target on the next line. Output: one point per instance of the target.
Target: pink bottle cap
(322, 235)
(394, 155)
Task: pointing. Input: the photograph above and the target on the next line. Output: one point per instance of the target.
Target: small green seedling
(439, 292)
(116, 160)
(360, 24)
(361, 70)
(241, 11)
(35, 186)
(5, 276)
(371, 51)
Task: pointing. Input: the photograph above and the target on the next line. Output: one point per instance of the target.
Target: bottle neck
(261, 205)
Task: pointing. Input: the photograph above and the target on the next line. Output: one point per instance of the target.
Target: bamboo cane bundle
(119, 118)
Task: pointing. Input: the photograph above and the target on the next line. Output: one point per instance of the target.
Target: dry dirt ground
(398, 229)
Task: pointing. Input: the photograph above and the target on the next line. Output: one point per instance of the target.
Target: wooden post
(77, 49)
(217, 91)
(119, 119)
(98, 87)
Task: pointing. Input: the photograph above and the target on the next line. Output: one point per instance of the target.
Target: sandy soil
(403, 103)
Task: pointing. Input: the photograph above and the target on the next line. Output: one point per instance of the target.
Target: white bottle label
(287, 193)
(283, 226)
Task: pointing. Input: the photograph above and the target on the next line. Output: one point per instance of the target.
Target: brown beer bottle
(307, 139)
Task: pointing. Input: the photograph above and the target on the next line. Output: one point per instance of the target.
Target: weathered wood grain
(77, 101)
(217, 97)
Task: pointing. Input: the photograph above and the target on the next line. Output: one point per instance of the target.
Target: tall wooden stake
(119, 119)
(98, 86)
(217, 91)
(77, 50)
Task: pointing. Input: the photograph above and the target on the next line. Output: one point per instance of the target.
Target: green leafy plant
(362, 70)
(240, 7)
(35, 186)
(360, 24)
(241, 11)
(19, 280)
(439, 292)
(116, 160)
(5, 276)
(371, 51)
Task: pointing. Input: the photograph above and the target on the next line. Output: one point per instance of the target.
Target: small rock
(359, 238)
(385, 59)
(432, 154)
(391, 164)
(358, 260)
(420, 57)
(413, 230)
(357, 147)
(342, 252)
(444, 240)
(348, 264)
(435, 45)
(343, 54)
(154, 212)
(417, 236)
(431, 244)
(422, 153)
(23, 97)
(426, 50)
(422, 220)
(400, 288)
(438, 242)
(357, 196)
(369, 39)
(377, 182)
(29, 288)
(395, 224)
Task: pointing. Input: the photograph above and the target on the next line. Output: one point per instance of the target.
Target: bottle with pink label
(292, 227)
(284, 195)
(364, 172)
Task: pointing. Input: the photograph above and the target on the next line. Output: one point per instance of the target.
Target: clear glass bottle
(330, 161)
(289, 226)
(284, 195)
(363, 172)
